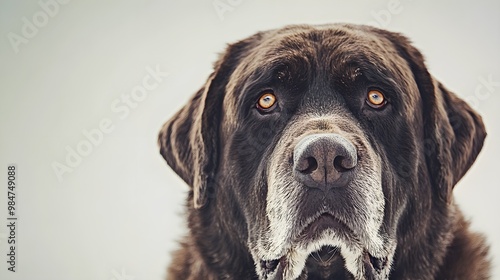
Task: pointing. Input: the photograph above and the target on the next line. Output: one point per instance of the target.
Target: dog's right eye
(267, 102)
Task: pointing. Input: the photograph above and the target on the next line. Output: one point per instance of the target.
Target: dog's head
(333, 144)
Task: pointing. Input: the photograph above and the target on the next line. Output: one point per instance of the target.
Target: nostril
(343, 164)
(307, 165)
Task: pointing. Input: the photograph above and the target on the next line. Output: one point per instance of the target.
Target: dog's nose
(324, 161)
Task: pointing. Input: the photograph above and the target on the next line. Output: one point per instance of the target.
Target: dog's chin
(327, 260)
(325, 263)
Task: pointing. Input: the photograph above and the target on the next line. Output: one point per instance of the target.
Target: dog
(324, 152)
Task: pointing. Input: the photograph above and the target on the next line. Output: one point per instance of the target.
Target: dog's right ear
(189, 140)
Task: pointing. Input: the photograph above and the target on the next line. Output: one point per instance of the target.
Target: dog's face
(330, 146)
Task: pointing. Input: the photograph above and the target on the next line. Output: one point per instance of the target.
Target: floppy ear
(189, 140)
(454, 132)
(458, 133)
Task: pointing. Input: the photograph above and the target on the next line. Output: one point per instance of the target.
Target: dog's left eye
(267, 101)
(376, 99)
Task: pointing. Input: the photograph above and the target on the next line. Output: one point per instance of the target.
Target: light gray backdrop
(113, 209)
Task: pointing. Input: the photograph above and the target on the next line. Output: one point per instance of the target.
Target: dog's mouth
(325, 221)
(327, 262)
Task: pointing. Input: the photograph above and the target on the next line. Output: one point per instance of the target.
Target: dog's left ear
(454, 132)
(459, 134)
(189, 140)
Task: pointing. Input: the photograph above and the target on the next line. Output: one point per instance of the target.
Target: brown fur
(426, 142)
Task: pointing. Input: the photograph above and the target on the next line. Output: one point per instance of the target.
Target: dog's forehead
(344, 52)
(338, 53)
(334, 48)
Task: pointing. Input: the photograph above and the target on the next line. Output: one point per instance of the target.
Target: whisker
(333, 251)
(312, 255)
(319, 256)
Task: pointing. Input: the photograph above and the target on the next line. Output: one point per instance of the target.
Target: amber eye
(266, 100)
(375, 99)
